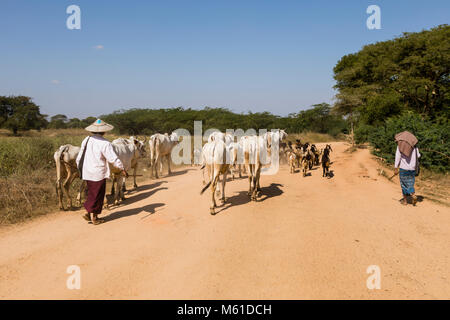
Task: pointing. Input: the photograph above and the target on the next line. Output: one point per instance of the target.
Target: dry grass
(434, 186)
(27, 172)
(26, 196)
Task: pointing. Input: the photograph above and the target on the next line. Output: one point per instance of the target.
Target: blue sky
(275, 56)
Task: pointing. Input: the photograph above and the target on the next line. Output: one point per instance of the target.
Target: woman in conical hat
(406, 163)
(92, 162)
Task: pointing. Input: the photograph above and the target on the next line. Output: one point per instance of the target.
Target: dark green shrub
(433, 139)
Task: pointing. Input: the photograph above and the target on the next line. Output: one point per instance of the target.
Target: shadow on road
(142, 196)
(179, 173)
(150, 186)
(271, 191)
(150, 209)
(242, 197)
(136, 198)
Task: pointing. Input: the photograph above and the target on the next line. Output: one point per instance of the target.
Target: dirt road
(306, 238)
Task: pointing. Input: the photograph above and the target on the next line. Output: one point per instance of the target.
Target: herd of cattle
(223, 153)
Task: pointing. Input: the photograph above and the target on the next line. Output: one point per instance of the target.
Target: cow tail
(152, 150)
(206, 187)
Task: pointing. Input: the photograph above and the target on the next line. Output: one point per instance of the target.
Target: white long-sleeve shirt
(406, 163)
(98, 153)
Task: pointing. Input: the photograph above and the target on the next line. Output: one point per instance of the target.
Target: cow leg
(151, 162)
(161, 165)
(224, 180)
(213, 191)
(113, 185)
(250, 180)
(257, 190)
(257, 175)
(168, 164)
(155, 165)
(74, 175)
(82, 187)
(59, 193)
(134, 176)
(118, 194)
(122, 187)
(66, 186)
(253, 192)
(117, 190)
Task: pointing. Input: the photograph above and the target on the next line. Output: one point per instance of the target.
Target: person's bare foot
(87, 217)
(404, 202)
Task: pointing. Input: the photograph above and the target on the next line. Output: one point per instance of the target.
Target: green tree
(20, 113)
(58, 121)
(384, 79)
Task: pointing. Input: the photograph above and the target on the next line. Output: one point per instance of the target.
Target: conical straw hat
(99, 126)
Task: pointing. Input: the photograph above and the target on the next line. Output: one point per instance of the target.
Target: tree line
(146, 121)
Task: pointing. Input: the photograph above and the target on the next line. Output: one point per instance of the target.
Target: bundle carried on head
(406, 142)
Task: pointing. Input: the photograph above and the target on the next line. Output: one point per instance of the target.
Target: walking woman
(407, 163)
(92, 161)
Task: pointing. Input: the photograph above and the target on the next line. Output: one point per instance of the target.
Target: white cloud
(56, 82)
(99, 47)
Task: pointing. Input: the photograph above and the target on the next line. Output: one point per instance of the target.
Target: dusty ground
(306, 238)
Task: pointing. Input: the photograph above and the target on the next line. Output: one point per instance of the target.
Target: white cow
(217, 159)
(128, 153)
(228, 138)
(161, 146)
(65, 160)
(141, 146)
(257, 153)
(225, 137)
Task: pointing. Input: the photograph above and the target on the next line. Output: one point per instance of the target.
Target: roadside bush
(433, 139)
(362, 133)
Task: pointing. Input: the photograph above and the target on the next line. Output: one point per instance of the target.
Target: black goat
(326, 162)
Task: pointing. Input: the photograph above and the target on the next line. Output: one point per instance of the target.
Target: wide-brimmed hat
(99, 126)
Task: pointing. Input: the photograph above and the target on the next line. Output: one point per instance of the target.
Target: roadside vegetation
(396, 85)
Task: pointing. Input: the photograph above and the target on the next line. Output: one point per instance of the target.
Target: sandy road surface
(306, 238)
